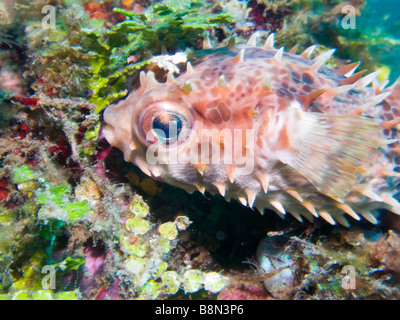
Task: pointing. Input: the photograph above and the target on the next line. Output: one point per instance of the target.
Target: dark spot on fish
(307, 78)
(285, 85)
(251, 81)
(229, 76)
(296, 76)
(386, 106)
(224, 111)
(314, 108)
(205, 75)
(280, 93)
(214, 116)
(389, 116)
(283, 92)
(392, 145)
(307, 88)
(293, 89)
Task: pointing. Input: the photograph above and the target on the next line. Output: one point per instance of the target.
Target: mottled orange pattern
(312, 141)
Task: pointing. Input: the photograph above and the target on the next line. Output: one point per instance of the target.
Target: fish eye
(166, 122)
(167, 126)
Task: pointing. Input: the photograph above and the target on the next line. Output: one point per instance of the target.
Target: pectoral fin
(328, 150)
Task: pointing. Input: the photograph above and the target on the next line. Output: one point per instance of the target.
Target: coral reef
(58, 208)
(316, 269)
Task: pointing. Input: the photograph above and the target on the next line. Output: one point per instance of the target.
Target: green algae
(23, 174)
(145, 247)
(27, 294)
(56, 202)
(169, 23)
(168, 230)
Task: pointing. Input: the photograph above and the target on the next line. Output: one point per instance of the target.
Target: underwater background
(78, 222)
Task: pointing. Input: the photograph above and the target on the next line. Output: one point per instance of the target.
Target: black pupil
(170, 124)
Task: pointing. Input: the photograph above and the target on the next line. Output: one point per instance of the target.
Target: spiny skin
(319, 146)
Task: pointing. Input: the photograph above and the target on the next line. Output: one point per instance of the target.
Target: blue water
(380, 22)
